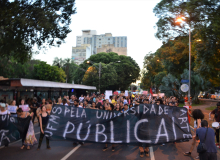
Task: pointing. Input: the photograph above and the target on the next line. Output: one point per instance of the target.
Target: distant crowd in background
(121, 103)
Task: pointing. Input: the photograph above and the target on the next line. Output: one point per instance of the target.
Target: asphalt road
(62, 150)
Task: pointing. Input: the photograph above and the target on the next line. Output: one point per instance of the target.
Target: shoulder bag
(202, 147)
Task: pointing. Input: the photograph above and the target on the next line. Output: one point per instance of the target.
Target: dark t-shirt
(35, 105)
(210, 138)
(217, 115)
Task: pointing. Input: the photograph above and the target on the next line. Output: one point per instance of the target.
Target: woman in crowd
(22, 114)
(59, 101)
(44, 117)
(49, 106)
(93, 106)
(117, 107)
(198, 116)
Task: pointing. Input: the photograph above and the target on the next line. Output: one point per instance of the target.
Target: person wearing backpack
(216, 113)
(206, 149)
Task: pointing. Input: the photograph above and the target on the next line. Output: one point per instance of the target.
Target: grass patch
(211, 108)
(193, 105)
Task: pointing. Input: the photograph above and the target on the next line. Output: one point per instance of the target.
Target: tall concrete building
(81, 53)
(103, 43)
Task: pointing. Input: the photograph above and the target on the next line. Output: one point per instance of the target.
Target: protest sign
(12, 109)
(108, 93)
(161, 94)
(126, 93)
(145, 92)
(149, 124)
(25, 108)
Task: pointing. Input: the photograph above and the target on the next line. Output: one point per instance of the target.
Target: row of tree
(36, 69)
(165, 68)
(117, 72)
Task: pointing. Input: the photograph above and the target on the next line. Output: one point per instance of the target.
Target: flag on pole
(151, 92)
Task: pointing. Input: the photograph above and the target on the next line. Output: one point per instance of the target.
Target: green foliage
(14, 69)
(202, 16)
(44, 71)
(170, 86)
(127, 71)
(24, 24)
(108, 77)
(68, 66)
(152, 66)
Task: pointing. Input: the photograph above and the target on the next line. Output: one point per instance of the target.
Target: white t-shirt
(4, 112)
(80, 106)
(81, 98)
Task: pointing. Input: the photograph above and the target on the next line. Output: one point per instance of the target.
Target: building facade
(99, 41)
(111, 48)
(81, 53)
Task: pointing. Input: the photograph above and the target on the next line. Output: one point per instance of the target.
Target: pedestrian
(198, 116)
(44, 117)
(206, 135)
(216, 113)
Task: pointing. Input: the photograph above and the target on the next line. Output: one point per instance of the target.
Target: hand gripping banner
(145, 124)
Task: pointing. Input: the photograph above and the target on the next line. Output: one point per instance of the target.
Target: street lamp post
(189, 63)
(181, 20)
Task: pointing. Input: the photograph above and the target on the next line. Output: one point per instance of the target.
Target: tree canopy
(126, 71)
(202, 16)
(24, 24)
(44, 71)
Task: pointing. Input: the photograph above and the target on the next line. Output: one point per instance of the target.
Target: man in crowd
(211, 153)
(86, 104)
(73, 97)
(34, 107)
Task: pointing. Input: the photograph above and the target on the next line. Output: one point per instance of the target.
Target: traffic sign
(184, 81)
(184, 87)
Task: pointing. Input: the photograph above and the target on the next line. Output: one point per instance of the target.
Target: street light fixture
(180, 20)
(99, 68)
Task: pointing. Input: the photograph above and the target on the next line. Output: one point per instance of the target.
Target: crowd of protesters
(118, 102)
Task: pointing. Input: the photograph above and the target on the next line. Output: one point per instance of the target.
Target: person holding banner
(43, 118)
(13, 108)
(3, 109)
(22, 114)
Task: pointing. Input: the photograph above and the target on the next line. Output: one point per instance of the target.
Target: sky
(132, 18)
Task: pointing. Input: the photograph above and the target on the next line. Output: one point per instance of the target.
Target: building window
(108, 38)
(100, 39)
